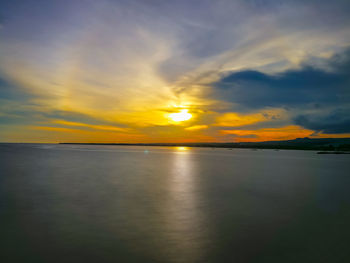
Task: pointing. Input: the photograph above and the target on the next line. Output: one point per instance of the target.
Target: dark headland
(326, 145)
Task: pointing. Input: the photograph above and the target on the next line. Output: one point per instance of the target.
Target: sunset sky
(173, 71)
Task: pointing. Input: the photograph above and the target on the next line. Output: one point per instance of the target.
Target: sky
(174, 71)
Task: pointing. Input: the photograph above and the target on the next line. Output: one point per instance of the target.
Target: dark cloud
(335, 122)
(326, 92)
(341, 63)
(6, 89)
(9, 91)
(253, 89)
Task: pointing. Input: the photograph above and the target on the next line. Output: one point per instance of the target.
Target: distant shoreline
(323, 145)
(328, 145)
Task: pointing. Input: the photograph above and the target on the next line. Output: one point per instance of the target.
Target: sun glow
(183, 115)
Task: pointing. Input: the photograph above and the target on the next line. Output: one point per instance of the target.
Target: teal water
(74, 203)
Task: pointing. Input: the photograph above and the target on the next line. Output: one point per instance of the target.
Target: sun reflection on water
(185, 221)
(181, 149)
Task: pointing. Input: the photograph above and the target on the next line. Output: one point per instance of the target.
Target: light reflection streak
(185, 221)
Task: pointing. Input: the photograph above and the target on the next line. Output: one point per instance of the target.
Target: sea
(107, 203)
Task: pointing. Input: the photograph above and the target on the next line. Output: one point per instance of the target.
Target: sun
(183, 115)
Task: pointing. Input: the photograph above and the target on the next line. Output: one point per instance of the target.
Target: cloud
(10, 91)
(90, 126)
(196, 127)
(266, 134)
(232, 119)
(318, 98)
(333, 123)
(254, 89)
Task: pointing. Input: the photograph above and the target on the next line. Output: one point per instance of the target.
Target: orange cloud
(324, 135)
(269, 134)
(196, 127)
(233, 119)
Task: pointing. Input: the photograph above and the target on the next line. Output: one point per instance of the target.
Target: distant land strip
(339, 145)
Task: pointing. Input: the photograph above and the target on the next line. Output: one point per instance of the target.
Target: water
(73, 203)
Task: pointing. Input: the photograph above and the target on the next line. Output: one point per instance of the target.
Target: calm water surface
(73, 203)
